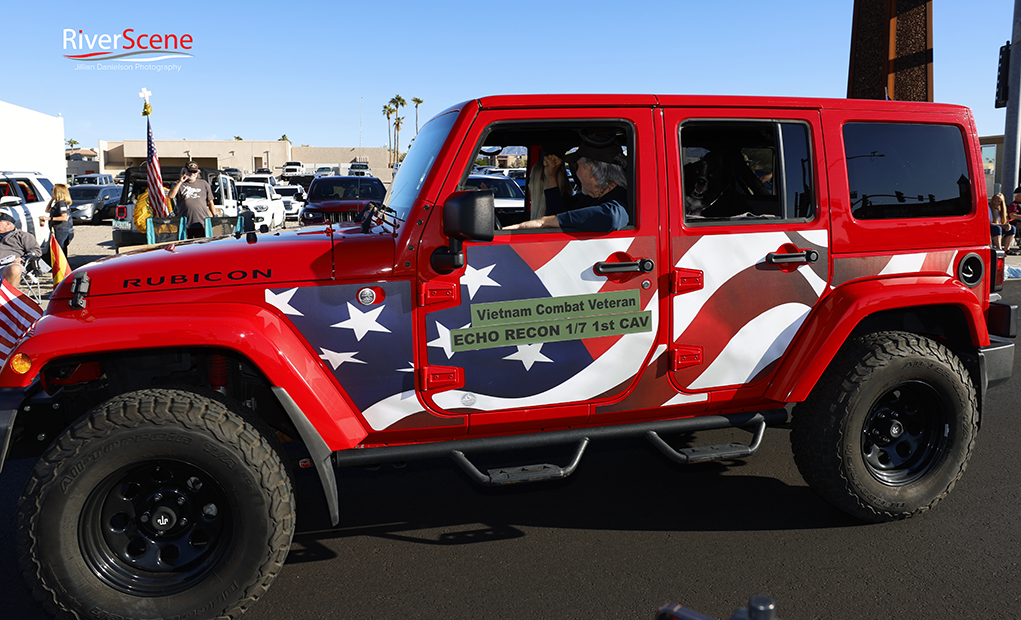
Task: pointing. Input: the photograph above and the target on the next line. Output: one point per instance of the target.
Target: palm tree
(417, 101)
(397, 140)
(71, 142)
(388, 112)
(284, 138)
(397, 103)
(239, 138)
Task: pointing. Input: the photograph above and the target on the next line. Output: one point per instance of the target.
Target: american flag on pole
(17, 313)
(157, 201)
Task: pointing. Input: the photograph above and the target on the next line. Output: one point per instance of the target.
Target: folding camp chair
(164, 229)
(32, 274)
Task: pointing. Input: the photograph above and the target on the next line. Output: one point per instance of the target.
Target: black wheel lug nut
(145, 518)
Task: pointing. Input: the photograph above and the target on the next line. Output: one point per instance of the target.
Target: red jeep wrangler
(823, 264)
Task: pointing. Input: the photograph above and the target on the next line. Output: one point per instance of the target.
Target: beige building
(246, 155)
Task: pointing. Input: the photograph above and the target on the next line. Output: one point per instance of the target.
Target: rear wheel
(158, 503)
(889, 428)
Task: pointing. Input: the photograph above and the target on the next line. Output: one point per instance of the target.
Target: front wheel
(888, 430)
(158, 503)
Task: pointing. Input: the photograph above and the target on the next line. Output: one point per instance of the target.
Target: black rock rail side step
(521, 473)
(702, 454)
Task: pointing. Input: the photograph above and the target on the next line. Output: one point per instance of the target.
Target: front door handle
(806, 257)
(642, 265)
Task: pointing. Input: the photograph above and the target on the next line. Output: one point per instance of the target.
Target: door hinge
(686, 280)
(434, 378)
(439, 292)
(682, 357)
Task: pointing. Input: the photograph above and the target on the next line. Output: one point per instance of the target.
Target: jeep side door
(749, 243)
(537, 336)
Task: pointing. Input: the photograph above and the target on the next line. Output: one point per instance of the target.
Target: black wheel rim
(156, 528)
(904, 433)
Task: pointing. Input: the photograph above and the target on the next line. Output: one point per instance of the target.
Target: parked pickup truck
(752, 270)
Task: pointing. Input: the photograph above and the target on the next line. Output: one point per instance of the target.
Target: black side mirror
(467, 216)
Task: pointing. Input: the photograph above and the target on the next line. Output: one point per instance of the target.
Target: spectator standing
(194, 200)
(14, 245)
(59, 216)
(1002, 229)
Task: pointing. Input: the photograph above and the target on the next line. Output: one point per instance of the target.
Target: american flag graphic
(744, 318)
(157, 201)
(17, 313)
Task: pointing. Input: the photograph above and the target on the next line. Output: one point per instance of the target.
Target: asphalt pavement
(628, 532)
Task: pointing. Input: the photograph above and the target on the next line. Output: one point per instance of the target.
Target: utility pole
(1011, 137)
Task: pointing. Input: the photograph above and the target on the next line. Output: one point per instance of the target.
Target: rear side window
(746, 172)
(897, 171)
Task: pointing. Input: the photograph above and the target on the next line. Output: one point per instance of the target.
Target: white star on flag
(443, 341)
(475, 279)
(362, 323)
(411, 368)
(282, 301)
(529, 354)
(336, 359)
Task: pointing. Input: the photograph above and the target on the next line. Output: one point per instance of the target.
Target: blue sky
(321, 72)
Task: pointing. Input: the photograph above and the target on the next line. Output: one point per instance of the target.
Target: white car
(264, 202)
(294, 199)
(261, 178)
(25, 196)
(508, 197)
(359, 169)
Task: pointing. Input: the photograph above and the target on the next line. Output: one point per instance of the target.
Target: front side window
(594, 189)
(746, 172)
(899, 170)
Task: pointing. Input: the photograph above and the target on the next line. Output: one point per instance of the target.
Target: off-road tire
(888, 430)
(87, 540)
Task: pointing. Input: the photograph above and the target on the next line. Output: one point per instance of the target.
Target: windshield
(502, 187)
(357, 188)
(287, 191)
(83, 192)
(417, 163)
(252, 191)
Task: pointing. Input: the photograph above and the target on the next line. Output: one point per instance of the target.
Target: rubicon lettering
(552, 319)
(128, 45)
(209, 277)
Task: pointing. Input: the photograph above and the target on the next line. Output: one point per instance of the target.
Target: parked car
(508, 197)
(339, 199)
(304, 180)
(327, 171)
(294, 199)
(94, 179)
(262, 200)
(234, 173)
(25, 195)
(261, 177)
(292, 168)
(519, 176)
(263, 171)
(93, 203)
(359, 169)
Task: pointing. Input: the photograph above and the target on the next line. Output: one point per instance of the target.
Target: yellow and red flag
(60, 269)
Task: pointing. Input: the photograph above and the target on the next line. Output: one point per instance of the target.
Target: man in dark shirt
(602, 204)
(194, 200)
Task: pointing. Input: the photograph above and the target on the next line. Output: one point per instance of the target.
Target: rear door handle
(642, 265)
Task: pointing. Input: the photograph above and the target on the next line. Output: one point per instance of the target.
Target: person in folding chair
(17, 247)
